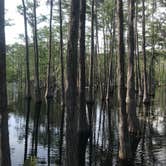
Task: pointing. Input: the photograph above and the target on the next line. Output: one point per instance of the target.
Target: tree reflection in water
(148, 150)
(4, 144)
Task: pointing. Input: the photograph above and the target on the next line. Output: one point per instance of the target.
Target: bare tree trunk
(4, 135)
(130, 97)
(137, 53)
(36, 56)
(92, 55)
(152, 64)
(112, 45)
(124, 146)
(27, 86)
(83, 124)
(105, 65)
(49, 93)
(145, 95)
(90, 102)
(72, 89)
(62, 83)
(96, 67)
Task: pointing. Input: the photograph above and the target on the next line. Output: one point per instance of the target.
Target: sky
(16, 19)
(12, 32)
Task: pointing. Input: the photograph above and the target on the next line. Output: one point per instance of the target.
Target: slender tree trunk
(48, 105)
(49, 93)
(130, 97)
(112, 45)
(135, 49)
(62, 82)
(96, 67)
(83, 125)
(137, 53)
(145, 95)
(152, 64)
(4, 135)
(92, 55)
(36, 56)
(124, 146)
(90, 102)
(72, 89)
(105, 60)
(28, 93)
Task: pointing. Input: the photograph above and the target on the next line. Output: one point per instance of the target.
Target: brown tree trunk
(124, 146)
(72, 89)
(62, 83)
(90, 102)
(152, 64)
(36, 56)
(112, 46)
(137, 53)
(105, 65)
(92, 55)
(145, 95)
(130, 96)
(28, 94)
(49, 93)
(4, 135)
(83, 125)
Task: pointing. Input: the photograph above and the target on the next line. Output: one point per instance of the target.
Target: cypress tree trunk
(3, 90)
(105, 66)
(112, 45)
(28, 93)
(152, 64)
(49, 93)
(62, 83)
(92, 54)
(36, 56)
(124, 146)
(145, 95)
(130, 97)
(137, 53)
(83, 125)
(4, 135)
(72, 89)
(90, 102)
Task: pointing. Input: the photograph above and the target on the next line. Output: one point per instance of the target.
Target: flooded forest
(83, 83)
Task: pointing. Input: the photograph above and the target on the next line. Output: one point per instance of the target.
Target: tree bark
(152, 63)
(112, 46)
(83, 124)
(36, 56)
(145, 95)
(62, 83)
(91, 77)
(137, 53)
(124, 146)
(72, 89)
(4, 135)
(49, 93)
(130, 96)
(28, 91)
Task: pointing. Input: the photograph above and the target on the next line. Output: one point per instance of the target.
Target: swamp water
(38, 132)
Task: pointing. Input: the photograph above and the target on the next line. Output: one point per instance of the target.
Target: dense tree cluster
(81, 49)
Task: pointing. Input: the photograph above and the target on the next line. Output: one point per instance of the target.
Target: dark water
(41, 136)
